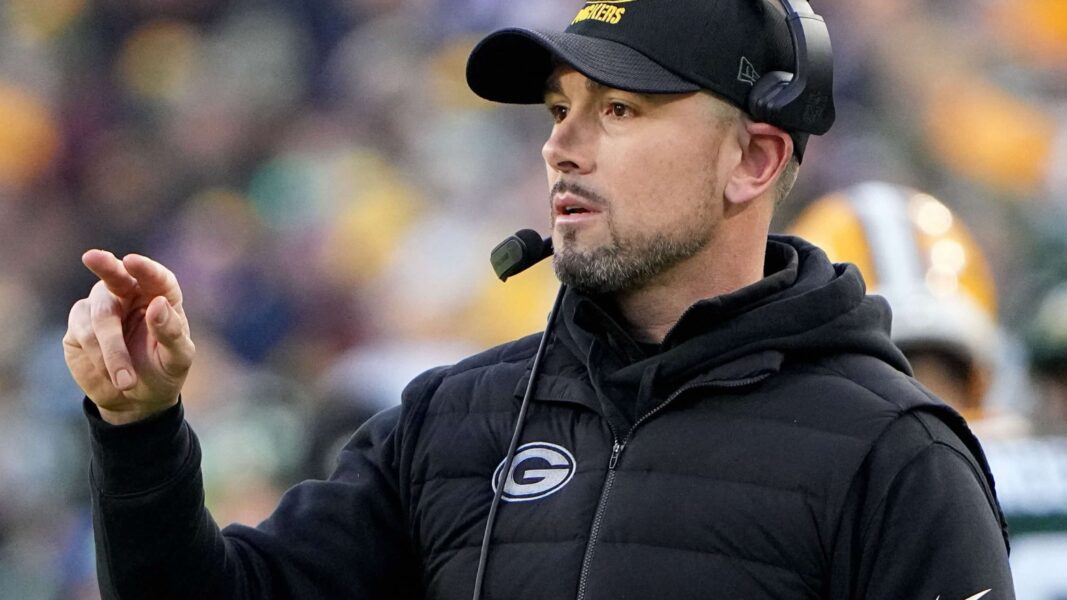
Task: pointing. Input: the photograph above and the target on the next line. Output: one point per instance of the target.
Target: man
(719, 414)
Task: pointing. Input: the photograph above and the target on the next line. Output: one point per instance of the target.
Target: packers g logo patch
(605, 11)
(538, 470)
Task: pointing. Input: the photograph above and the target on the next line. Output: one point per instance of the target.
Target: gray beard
(623, 265)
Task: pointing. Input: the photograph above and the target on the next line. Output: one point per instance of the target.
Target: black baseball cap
(643, 46)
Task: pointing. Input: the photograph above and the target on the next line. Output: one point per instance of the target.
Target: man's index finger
(154, 278)
(111, 271)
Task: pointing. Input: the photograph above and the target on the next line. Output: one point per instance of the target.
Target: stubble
(628, 262)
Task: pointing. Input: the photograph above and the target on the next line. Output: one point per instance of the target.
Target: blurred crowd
(327, 190)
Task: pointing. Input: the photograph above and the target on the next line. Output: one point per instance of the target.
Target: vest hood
(804, 306)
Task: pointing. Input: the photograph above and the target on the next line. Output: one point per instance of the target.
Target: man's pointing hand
(128, 344)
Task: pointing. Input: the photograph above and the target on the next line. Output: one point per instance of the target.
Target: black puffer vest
(739, 461)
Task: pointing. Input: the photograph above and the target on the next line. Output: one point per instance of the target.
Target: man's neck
(651, 311)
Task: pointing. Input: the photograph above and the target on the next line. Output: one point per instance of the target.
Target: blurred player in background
(916, 253)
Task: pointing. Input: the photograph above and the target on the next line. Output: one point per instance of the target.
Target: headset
(802, 100)
(798, 101)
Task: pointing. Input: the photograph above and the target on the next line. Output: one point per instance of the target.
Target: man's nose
(571, 147)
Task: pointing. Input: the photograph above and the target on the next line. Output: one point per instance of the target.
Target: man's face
(633, 180)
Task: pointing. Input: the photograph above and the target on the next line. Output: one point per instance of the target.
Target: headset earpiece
(801, 101)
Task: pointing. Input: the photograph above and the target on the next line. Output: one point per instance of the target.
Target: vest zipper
(617, 448)
(594, 531)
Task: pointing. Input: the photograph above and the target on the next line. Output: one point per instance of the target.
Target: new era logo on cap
(747, 73)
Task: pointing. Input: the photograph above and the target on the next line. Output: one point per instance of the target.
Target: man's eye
(618, 109)
(558, 112)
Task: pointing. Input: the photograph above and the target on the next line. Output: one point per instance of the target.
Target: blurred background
(327, 190)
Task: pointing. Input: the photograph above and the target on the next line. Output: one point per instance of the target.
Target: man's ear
(765, 151)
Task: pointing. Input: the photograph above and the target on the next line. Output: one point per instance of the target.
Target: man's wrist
(141, 455)
(126, 417)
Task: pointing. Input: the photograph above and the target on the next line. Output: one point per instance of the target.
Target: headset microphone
(519, 252)
(511, 257)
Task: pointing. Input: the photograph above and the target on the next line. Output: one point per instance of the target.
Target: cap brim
(512, 65)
